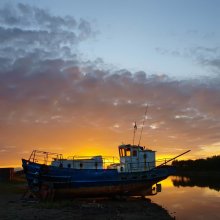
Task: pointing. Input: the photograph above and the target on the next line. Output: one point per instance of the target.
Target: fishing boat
(135, 173)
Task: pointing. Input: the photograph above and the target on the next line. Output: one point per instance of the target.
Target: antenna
(135, 129)
(143, 125)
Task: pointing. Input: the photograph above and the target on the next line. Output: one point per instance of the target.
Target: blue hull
(91, 182)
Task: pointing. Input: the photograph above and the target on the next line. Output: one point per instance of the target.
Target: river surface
(188, 202)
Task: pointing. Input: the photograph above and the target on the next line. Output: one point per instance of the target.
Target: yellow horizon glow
(85, 148)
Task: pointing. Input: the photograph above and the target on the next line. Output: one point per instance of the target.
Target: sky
(75, 76)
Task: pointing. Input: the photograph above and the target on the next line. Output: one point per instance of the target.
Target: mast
(143, 125)
(135, 129)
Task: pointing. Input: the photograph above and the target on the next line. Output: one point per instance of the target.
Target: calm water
(189, 202)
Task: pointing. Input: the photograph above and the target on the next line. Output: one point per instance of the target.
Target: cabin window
(69, 165)
(81, 165)
(134, 153)
(122, 152)
(128, 152)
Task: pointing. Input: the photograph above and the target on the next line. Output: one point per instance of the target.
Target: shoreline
(198, 173)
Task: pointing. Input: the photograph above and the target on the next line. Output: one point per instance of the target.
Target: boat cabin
(134, 158)
(95, 162)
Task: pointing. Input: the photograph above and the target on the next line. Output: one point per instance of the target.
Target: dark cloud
(45, 89)
(214, 63)
(208, 56)
(25, 16)
(25, 29)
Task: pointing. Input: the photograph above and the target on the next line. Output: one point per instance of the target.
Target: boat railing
(104, 158)
(172, 159)
(98, 161)
(143, 166)
(109, 160)
(164, 161)
(43, 157)
(94, 162)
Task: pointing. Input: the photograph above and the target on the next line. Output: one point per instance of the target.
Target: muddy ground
(14, 206)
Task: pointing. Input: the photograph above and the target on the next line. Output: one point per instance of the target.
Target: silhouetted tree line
(210, 163)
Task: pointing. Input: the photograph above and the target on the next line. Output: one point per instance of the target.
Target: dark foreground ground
(12, 206)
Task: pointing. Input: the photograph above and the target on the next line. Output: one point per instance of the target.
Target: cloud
(25, 30)
(31, 17)
(211, 62)
(205, 56)
(58, 91)
(208, 56)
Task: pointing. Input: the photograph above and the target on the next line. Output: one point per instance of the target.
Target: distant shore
(13, 207)
(198, 173)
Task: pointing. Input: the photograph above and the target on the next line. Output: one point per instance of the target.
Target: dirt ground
(12, 206)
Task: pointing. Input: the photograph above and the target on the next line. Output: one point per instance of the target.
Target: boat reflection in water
(190, 198)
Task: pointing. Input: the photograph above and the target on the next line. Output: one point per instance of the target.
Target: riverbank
(198, 173)
(13, 207)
